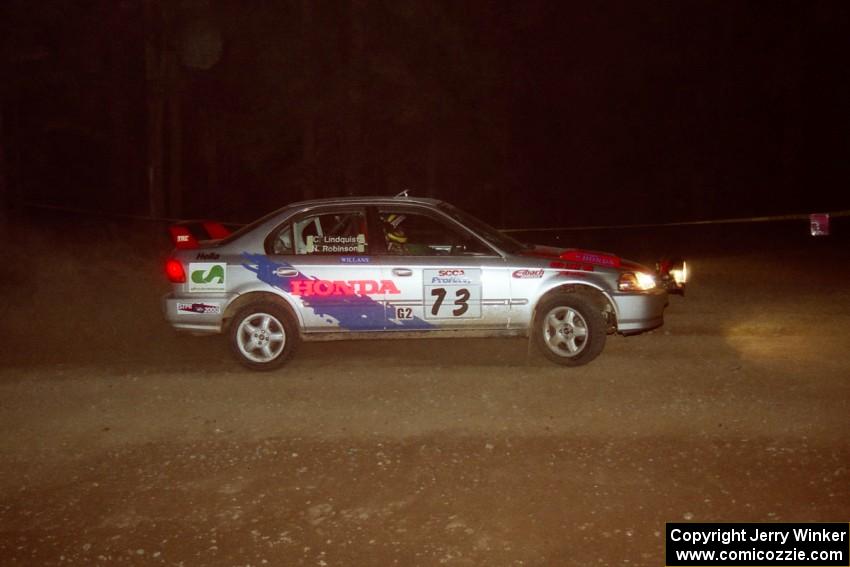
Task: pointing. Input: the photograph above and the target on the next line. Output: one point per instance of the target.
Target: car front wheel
(569, 330)
(263, 336)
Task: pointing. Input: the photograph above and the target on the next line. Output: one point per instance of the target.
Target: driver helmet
(395, 233)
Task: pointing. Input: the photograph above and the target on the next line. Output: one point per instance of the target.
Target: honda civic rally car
(400, 267)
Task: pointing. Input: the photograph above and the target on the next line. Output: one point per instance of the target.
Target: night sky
(525, 113)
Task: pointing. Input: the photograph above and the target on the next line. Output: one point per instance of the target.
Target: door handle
(402, 272)
(285, 272)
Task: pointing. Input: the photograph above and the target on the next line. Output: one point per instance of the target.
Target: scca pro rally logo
(528, 274)
(325, 288)
(207, 276)
(450, 276)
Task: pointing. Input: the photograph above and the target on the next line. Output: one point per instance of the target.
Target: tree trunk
(175, 141)
(4, 186)
(155, 81)
(354, 113)
(308, 150)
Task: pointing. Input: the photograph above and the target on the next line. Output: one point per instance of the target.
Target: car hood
(565, 257)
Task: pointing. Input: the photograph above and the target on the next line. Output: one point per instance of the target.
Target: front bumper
(638, 312)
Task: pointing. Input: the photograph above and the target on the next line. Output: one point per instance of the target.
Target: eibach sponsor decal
(528, 274)
(207, 276)
(199, 308)
(356, 311)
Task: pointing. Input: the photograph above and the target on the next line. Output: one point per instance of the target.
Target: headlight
(680, 273)
(635, 281)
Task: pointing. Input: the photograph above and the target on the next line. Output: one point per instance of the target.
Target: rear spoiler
(190, 234)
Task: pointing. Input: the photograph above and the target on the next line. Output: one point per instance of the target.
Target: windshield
(498, 239)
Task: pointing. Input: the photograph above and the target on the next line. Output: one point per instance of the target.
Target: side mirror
(458, 250)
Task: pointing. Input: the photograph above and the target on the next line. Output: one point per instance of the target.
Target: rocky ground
(121, 442)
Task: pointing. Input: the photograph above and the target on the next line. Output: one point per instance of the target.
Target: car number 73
(462, 295)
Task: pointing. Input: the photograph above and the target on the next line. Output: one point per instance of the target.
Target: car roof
(372, 200)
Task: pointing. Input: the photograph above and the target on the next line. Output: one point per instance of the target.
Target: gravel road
(121, 442)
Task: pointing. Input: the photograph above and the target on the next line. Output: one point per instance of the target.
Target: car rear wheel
(263, 336)
(569, 330)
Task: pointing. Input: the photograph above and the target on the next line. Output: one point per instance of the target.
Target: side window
(281, 241)
(322, 234)
(416, 234)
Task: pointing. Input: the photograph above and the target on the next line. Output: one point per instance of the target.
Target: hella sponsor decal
(199, 308)
(207, 276)
(452, 276)
(596, 259)
(349, 288)
(528, 274)
(586, 257)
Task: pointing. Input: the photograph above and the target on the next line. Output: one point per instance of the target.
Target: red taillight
(174, 271)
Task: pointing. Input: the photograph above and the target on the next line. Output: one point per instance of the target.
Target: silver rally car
(384, 267)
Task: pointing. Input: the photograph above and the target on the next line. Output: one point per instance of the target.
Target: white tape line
(801, 216)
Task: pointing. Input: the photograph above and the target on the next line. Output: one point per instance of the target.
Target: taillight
(174, 271)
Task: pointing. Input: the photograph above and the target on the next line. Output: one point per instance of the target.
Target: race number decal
(452, 293)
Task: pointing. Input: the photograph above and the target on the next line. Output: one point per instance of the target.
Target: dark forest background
(526, 113)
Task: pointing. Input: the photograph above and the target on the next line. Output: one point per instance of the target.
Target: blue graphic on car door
(346, 304)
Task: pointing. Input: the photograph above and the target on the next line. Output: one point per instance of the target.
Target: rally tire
(569, 330)
(263, 336)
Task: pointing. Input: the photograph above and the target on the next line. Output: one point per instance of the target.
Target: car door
(322, 260)
(441, 275)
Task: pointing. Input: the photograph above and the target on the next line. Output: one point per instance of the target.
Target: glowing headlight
(635, 281)
(680, 274)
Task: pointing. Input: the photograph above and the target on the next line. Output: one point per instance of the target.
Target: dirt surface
(121, 442)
